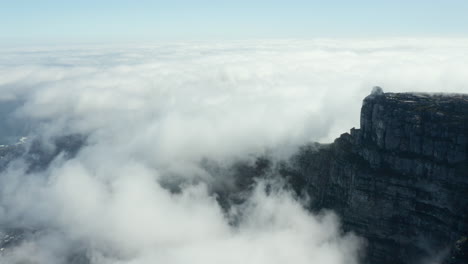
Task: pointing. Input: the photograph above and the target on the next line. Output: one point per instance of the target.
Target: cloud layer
(157, 110)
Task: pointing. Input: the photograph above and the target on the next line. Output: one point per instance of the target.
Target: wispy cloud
(150, 110)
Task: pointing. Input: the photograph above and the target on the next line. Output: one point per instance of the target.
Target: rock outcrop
(400, 181)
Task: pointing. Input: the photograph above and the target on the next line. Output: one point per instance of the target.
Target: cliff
(400, 181)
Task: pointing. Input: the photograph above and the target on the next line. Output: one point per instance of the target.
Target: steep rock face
(401, 180)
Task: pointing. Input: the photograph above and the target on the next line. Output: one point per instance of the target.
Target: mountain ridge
(400, 180)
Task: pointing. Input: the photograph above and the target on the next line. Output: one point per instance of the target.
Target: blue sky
(47, 21)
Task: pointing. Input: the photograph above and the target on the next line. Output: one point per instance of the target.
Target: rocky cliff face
(401, 180)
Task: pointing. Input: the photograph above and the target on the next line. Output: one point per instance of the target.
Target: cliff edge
(400, 181)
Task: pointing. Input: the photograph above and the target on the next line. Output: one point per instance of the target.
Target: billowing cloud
(156, 111)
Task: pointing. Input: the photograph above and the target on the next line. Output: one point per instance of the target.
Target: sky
(54, 21)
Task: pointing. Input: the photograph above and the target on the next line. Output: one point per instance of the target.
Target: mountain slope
(401, 180)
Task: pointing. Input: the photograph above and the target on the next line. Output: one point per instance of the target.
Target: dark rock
(401, 180)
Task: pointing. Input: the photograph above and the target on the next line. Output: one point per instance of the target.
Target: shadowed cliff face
(401, 180)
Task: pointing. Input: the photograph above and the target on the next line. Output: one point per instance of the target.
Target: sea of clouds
(150, 111)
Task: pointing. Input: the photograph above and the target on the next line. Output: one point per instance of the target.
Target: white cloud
(158, 108)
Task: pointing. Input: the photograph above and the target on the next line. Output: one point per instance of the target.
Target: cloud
(156, 111)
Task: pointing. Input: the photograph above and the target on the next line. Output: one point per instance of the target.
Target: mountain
(400, 181)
